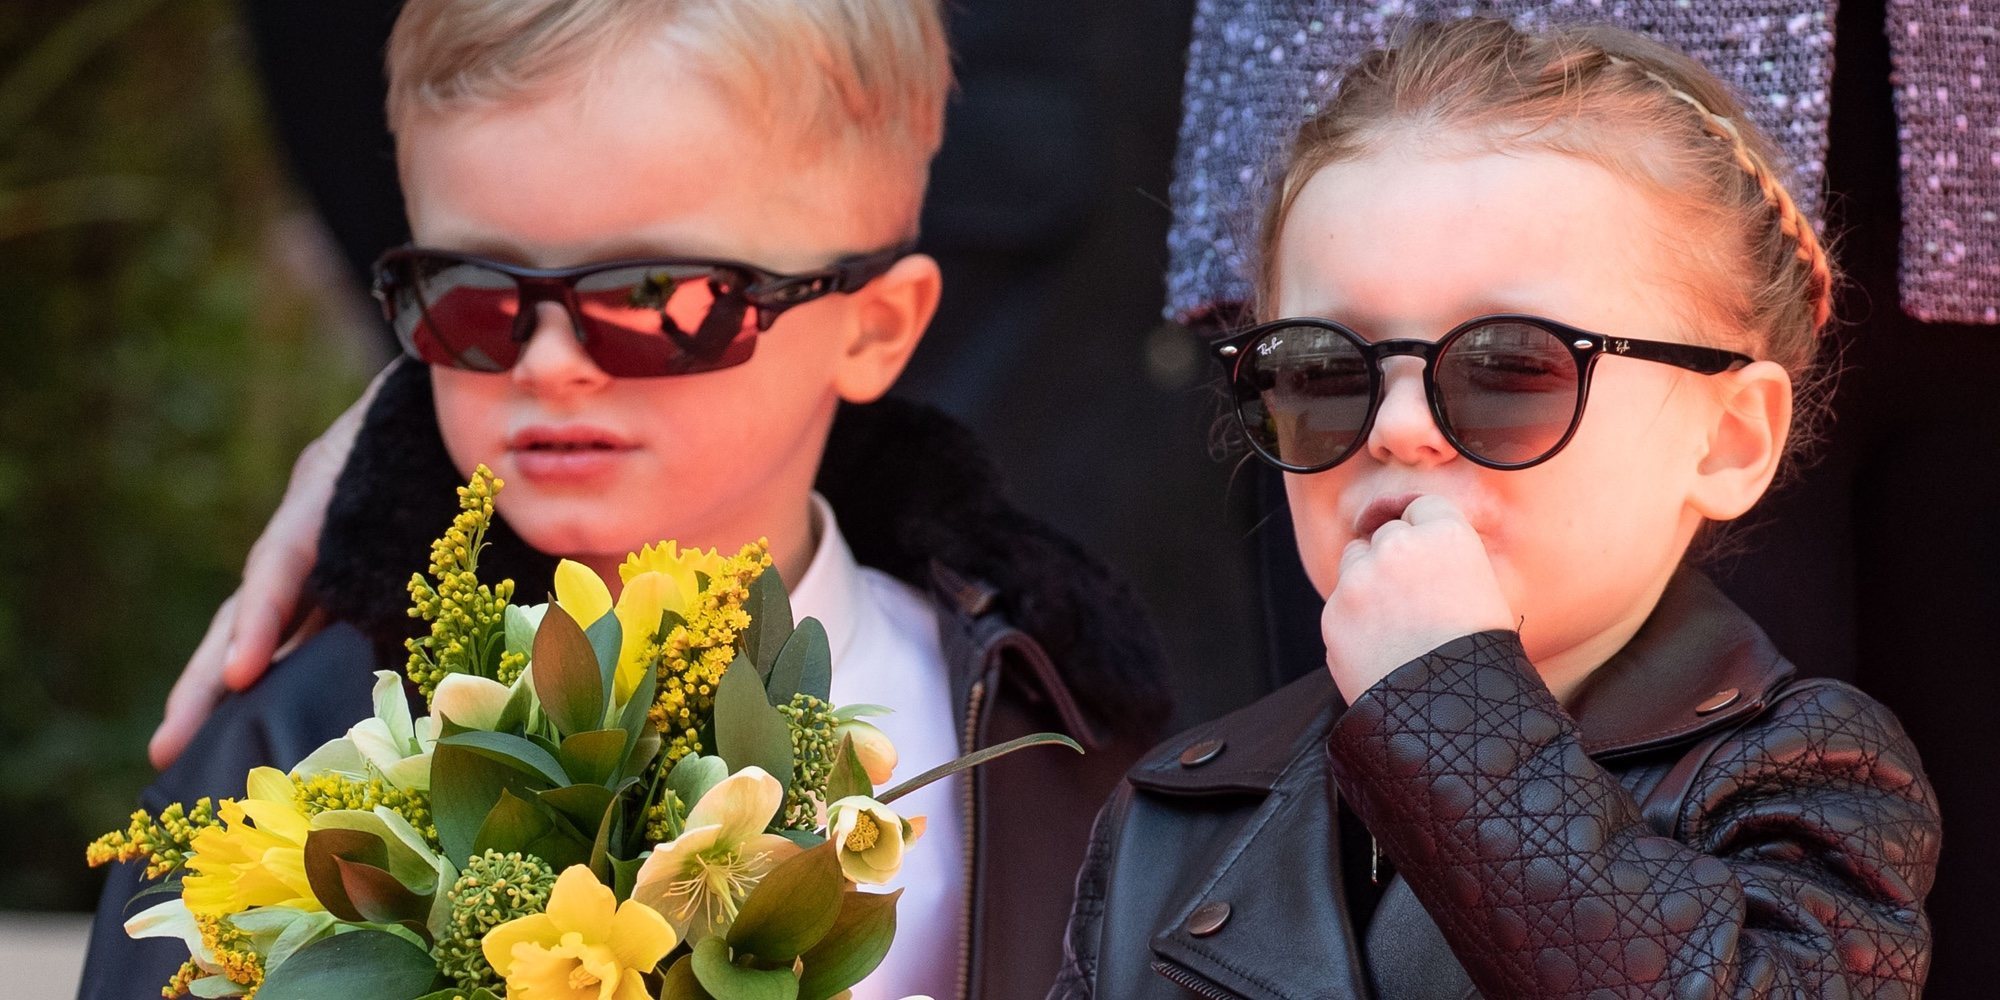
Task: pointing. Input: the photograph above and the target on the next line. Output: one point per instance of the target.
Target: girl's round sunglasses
(634, 318)
(1506, 390)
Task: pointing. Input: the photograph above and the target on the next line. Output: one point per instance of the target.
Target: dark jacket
(1038, 637)
(1698, 824)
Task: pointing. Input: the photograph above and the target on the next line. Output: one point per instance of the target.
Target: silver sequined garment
(1946, 55)
(1257, 68)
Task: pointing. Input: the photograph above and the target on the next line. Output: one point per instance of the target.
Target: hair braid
(1792, 222)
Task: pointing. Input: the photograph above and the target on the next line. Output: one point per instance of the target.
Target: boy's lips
(569, 453)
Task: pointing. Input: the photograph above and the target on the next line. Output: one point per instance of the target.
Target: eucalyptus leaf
(679, 983)
(804, 665)
(526, 755)
(594, 757)
(749, 730)
(770, 621)
(607, 637)
(582, 805)
(793, 907)
(695, 775)
(633, 720)
(466, 784)
(568, 680)
(729, 981)
(853, 948)
(975, 759)
(521, 624)
(534, 827)
(361, 963)
(348, 872)
(847, 776)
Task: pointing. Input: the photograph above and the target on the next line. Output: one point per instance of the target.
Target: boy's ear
(1747, 442)
(892, 313)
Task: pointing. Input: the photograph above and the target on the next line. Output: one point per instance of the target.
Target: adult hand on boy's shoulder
(247, 631)
(1417, 583)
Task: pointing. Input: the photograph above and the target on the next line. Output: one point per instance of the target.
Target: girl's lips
(1381, 511)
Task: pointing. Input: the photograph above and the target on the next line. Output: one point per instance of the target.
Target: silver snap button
(1207, 918)
(1201, 753)
(1718, 701)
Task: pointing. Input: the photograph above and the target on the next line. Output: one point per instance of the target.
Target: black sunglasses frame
(1585, 349)
(768, 292)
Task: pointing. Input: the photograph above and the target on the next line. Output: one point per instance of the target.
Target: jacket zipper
(969, 815)
(1192, 982)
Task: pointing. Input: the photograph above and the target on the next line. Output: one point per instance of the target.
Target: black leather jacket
(1036, 634)
(1696, 824)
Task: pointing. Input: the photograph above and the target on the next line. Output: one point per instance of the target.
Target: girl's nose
(553, 360)
(1404, 432)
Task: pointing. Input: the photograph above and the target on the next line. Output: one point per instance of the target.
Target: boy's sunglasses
(634, 318)
(1506, 390)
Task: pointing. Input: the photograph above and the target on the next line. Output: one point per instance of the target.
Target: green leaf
(520, 626)
(568, 680)
(791, 909)
(533, 827)
(362, 963)
(770, 621)
(974, 759)
(582, 805)
(625, 875)
(348, 872)
(520, 753)
(607, 637)
(729, 981)
(695, 775)
(454, 993)
(466, 784)
(853, 948)
(847, 777)
(633, 721)
(748, 729)
(680, 983)
(804, 665)
(849, 713)
(594, 757)
(643, 750)
(806, 839)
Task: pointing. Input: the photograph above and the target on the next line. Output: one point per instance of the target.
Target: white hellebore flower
(700, 878)
(470, 700)
(391, 744)
(870, 838)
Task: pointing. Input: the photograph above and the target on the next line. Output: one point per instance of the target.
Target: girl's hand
(1419, 582)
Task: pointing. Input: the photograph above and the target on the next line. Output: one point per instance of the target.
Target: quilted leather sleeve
(1798, 868)
(1077, 978)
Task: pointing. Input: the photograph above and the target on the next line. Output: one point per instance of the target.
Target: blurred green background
(176, 327)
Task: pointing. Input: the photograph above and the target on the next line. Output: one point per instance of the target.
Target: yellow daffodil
(239, 865)
(870, 838)
(648, 592)
(670, 559)
(700, 878)
(585, 946)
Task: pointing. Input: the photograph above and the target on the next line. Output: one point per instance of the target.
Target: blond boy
(755, 167)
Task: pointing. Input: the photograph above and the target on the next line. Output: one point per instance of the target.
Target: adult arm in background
(267, 610)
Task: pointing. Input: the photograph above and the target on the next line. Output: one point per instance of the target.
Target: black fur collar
(908, 484)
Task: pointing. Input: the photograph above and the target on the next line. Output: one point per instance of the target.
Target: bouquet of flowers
(646, 798)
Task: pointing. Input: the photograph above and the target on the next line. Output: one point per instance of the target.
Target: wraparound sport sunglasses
(635, 318)
(1506, 390)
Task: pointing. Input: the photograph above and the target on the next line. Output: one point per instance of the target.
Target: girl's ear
(891, 314)
(1746, 443)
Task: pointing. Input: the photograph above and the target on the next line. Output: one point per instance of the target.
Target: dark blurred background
(190, 193)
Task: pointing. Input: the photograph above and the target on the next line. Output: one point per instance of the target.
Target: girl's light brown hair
(1759, 278)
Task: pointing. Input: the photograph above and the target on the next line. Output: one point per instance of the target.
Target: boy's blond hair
(838, 76)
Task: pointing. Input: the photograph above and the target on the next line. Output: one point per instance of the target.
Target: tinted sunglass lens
(1508, 391)
(455, 313)
(1303, 395)
(665, 320)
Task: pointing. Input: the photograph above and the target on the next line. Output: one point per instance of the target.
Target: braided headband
(1791, 221)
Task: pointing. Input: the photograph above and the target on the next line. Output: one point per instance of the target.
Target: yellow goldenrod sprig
(328, 791)
(467, 618)
(693, 655)
(164, 841)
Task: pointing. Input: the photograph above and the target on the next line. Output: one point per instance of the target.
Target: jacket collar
(912, 490)
(1697, 664)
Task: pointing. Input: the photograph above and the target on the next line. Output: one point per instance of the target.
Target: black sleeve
(307, 698)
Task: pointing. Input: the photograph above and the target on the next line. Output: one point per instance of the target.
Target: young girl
(1567, 766)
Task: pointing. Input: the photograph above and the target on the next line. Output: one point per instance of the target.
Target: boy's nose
(553, 359)
(1404, 432)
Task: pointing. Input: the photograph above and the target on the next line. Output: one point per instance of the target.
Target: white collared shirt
(886, 651)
